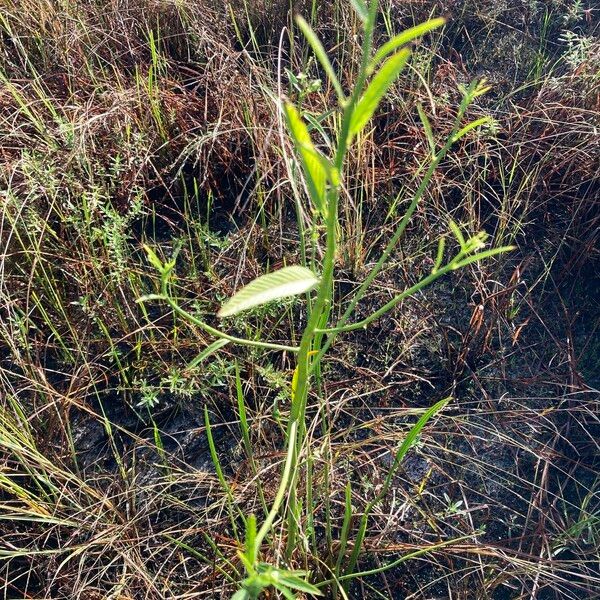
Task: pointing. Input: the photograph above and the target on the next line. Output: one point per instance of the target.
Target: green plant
(324, 176)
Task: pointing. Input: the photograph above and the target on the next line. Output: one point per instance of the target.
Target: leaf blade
(378, 87)
(317, 169)
(321, 55)
(283, 283)
(361, 9)
(406, 37)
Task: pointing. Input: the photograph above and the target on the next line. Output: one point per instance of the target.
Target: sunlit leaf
(361, 9)
(251, 539)
(296, 583)
(317, 169)
(405, 38)
(379, 85)
(482, 256)
(321, 55)
(471, 126)
(286, 282)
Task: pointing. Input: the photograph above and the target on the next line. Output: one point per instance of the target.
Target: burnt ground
(509, 468)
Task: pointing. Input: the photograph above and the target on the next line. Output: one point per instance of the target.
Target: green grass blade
(400, 454)
(427, 128)
(474, 124)
(219, 471)
(345, 529)
(361, 9)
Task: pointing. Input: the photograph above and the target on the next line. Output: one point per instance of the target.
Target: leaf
(361, 9)
(427, 128)
(471, 126)
(458, 235)
(317, 169)
(153, 258)
(405, 38)
(286, 282)
(379, 85)
(321, 55)
(291, 580)
(482, 255)
(251, 539)
(211, 349)
(414, 432)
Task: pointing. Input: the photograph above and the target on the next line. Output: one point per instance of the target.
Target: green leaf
(405, 38)
(251, 539)
(482, 255)
(211, 349)
(240, 595)
(149, 297)
(458, 235)
(413, 434)
(287, 594)
(314, 165)
(471, 126)
(291, 580)
(286, 282)
(153, 258)
(321, 55)
(361, 9)
(427, 128)
(379, 85)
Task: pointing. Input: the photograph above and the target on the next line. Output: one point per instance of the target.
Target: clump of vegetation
(296, 444)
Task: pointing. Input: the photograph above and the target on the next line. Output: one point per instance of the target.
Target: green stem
(323, 300)
(221, 334)
(393, 243)
(283, 485)
(393, 302)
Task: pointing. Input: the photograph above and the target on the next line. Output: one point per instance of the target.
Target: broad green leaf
(317, 169)
(405, 38)
(286, 282)
(379, 85)
(361, 9)
(321, 55)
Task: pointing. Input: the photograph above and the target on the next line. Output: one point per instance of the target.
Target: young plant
(323, 177)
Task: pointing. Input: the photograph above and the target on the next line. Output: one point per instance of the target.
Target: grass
(157, 125)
